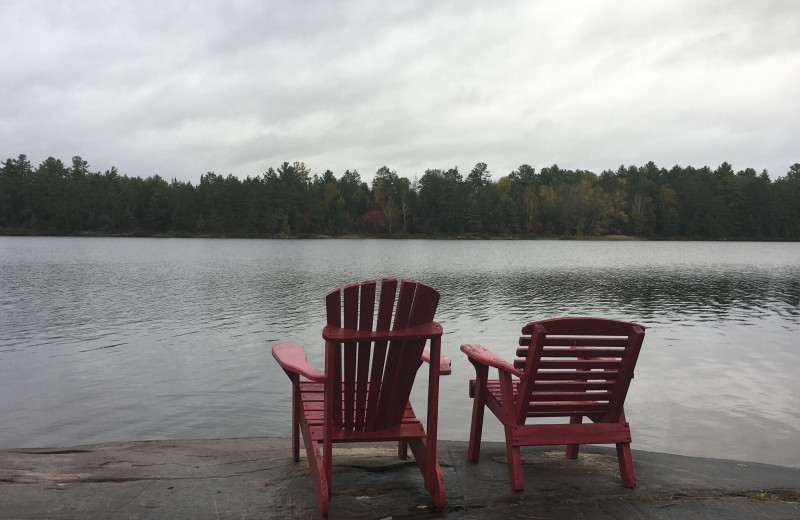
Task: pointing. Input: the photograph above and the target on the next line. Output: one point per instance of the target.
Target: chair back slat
(581, 327)
(573, 376)
(333, 310)
(384, 321)
(366, 313)
(588, 352)
(351, 295)
(376, 377)
(576, 366)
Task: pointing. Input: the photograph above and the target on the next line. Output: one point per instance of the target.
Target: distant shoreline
(353, 236)
(386, 236)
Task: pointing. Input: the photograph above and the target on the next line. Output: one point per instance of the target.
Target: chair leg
(316, 467)
(572, 449)
(478, 408)
(626, 464)
(476, 429)
(297, 410)
(402, 449)
(514, 464)
(430, 469)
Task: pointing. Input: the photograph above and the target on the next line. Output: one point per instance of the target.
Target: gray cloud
(179, 89)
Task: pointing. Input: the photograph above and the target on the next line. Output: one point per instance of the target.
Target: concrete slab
(255, 478)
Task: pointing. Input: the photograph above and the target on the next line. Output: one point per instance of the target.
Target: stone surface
(256, 478)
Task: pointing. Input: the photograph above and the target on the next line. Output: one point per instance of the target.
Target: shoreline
(6, 232)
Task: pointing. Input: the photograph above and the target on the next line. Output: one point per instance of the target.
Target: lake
(110, 339)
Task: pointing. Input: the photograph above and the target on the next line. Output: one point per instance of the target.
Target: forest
(646, 201)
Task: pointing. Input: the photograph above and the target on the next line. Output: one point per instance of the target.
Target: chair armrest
(479, 354)
(293, 358)
(340, 335)
(444, 361)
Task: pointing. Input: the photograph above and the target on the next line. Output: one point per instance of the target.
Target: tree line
(642, 201)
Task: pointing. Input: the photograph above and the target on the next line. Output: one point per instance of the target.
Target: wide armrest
(444, 361)
(293, 358)
(340, 335)
(481, 355)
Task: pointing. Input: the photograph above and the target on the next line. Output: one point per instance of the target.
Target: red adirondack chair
(566, 367)
(369, 370)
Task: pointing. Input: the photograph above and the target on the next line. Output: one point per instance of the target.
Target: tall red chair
(370, 367)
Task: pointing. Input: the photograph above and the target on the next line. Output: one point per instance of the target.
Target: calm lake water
(109, 339)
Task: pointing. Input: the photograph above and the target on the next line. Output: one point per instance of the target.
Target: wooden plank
(579, 386)
(377, 374)
(396, 433)
(579, 341)
(537, 409)
(574, 375)
(425, 331)
(581, 326)
(578, 364)
(570, 396)
(557, 434)
(574, 352)
(364, 351)
(350, 294)
(386, 305)
(333, 309)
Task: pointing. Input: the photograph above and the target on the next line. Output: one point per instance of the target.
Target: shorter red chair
(566, 367)
(370, 367)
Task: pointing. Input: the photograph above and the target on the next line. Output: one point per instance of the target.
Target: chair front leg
(625, 460)
(297, 410)
(480, 392)
(626, 464)
(509, 421)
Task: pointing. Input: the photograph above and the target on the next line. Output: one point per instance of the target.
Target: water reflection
(112, 339)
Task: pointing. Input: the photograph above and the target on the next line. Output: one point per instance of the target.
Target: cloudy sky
(181, 88)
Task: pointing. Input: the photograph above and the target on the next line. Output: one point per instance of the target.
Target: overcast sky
(181, 88)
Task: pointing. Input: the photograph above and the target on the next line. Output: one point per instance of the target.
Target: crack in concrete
(137, 495)
(50, 452)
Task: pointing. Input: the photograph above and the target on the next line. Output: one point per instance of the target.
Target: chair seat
(314, 411)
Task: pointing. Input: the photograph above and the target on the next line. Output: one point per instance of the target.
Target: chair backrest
(576, 366)
(376, 376)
